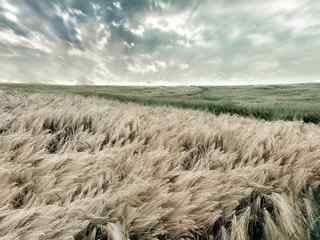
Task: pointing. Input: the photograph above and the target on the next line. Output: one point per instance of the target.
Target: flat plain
(87, 168)
(275, 102)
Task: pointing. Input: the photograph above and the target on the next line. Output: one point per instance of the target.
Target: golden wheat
(72, 166)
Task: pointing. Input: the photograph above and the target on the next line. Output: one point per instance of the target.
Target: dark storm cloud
(159, 41)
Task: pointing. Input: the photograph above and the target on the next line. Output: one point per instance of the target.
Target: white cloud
(299, 24)
(142, 69)
(117, 5)
(161, 64)
(11, 17)
(166, 23)
(10, 11)
(234, 33)
(139, 31)
(283, 6)
(115, 24)
(183, 66)
(142, 66)
(66, 16)
(260, 39)
(35, 42)
(96, 7)
(76, 12)
(215, 61)
(129, 45)
(103, 35)
(176, 24)
(266, 66)
(237, 41)
(94, 35)
(9, 7)
(75, 52)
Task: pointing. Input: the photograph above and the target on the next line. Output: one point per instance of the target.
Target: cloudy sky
(160, 42)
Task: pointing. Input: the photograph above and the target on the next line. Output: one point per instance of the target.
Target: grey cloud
(156, 41)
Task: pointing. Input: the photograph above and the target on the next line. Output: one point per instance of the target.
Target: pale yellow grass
(151, 173)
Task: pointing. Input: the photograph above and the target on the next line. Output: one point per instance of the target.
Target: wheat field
(91, 169)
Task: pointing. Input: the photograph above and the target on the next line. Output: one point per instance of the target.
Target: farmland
(74, 167)
(283, 102)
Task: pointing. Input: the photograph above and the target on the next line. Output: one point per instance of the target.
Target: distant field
(285, 102)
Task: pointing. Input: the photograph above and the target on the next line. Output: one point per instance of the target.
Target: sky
(160, 42)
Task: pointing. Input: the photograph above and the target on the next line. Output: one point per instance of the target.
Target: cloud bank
(159, 42)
